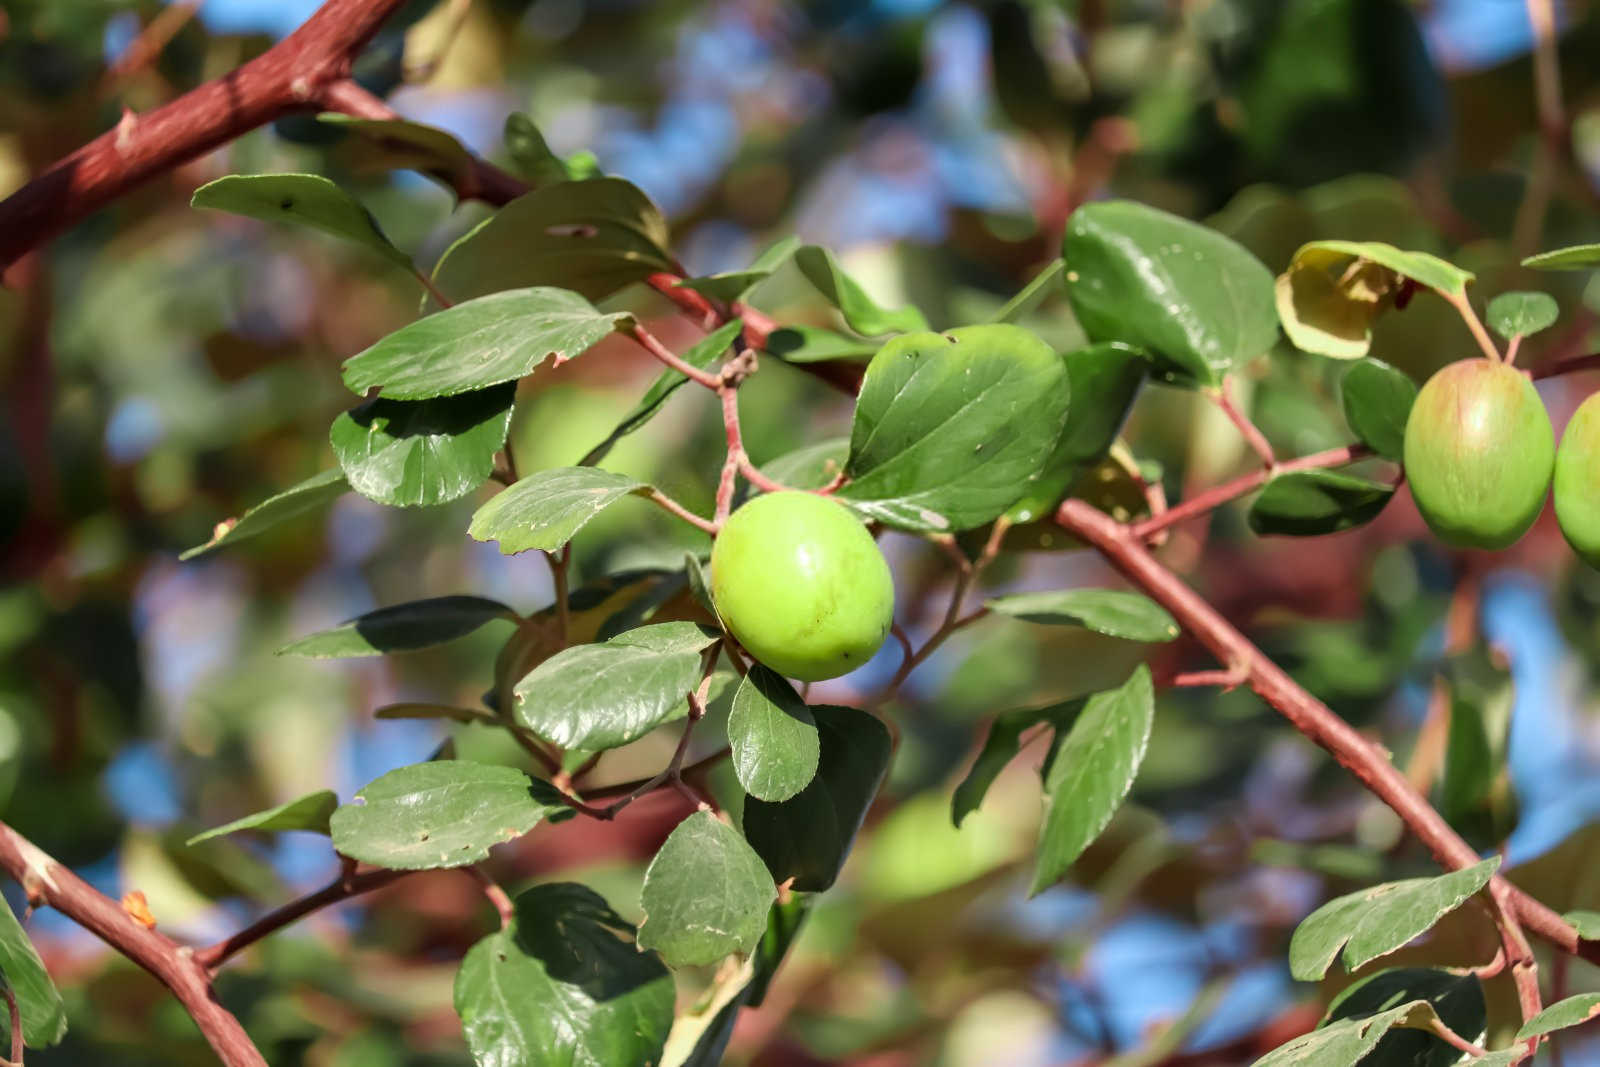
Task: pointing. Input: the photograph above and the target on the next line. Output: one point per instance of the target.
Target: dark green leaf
(1521, 314)
(291, 503)
(401, 628)
(1573, 257)
(445, 813)
(1192, 298)
(706, 894)
(530, 154)
(1092, 773)
(1570, 1012)
(544, 510)
(1307, 503)
(400, 144)
(310, 812)
(558, 988)
(816, 344)
(1000, 747)
(950, 427)
(774, 737)
(473, 345)
(808, 836)
(1114, 612)
(731, 287)
(1456, 999)
(592, 236)
(811, 467)
(1374, 922)
(44, 1018)
(1377, 401)
(409, 453)
(596, 697)
(845, 293)
(308, 199)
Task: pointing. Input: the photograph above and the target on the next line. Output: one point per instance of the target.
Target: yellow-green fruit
(1479, 451)
(1577, 489)
(802, 585)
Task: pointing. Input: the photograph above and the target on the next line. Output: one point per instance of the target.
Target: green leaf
(596, 697)
(808, 836)
(544, 510)
(1114, 612)
(1192, 298)
(845, 293)
(1092, 773)
(816, 344)
(1377, 402)
(708, 350)
(1374, 922)
(1573, 257)
(529, 153)
(445, 813)
(1457, 1000)
(1570, 1012)
(1341, 1044)
(473, 345)
(44, 1018)
(592, 237)
(1312, 502)
(400, 144)
(410, 710)
(410, 453)
(291, 503)
(1475, 790)
(774, 736)
(558, 988)
(1587, 923)
(811, 467)
(1521, 314)
(1000, 746)
(309, 812)
(949, 428)
(308, 199)
(401, 628)
(1334, 290)
(730, 287)
(1105, 381)
(706, 894)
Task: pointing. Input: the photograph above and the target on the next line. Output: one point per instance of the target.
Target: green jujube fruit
(1478, 453)
(1577, 486)
(801, 584)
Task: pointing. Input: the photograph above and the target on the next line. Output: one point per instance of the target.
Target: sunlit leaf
(706, 894)
(307, 199)
(309, 812)
(289, 504)
(409, 453)
(545, 509)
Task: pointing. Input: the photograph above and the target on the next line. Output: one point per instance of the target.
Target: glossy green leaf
(950, 427)
(400, 144)
(1457, 1000)
(811, 467)
(411, 453)
(1311, 502)
(1000, 746)
(1570, 1012)
(1093, 770)
(1195, 300)
(592, 237)
(1573, 257)
(401, 628)
(808, 836)
(473, 345)
(1521, 314)
(774, 737)
(709, 350)
(730, 287)
(1374, 922)
(308, 199)
(1114, 612)
(289, 504)
(706, 894)
(1341, 1044)
(864, 315)
(309, 812)
(445, 813)
(44, 1018)
(1377, 402)
(596, 697)
(559, 988)
(545, 509)
(1334, 290)
(816, 344)
(530, 155)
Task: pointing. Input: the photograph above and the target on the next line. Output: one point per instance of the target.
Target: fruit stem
(1463, 308)
(1223, 397)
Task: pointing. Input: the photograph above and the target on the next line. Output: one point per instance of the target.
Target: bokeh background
(164, 369)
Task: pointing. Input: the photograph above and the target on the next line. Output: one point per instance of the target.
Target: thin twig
(1567, 366)
(340, 889)
(1464, 308)
(663, 500)
(560, 564)
(1212, 499)
(18, 1046)
(651, 344)
(150, 42)
(497, 896)
(1437, 1026)
(1223, 397)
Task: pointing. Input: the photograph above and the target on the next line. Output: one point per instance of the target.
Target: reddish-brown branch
(1252, 433)
(340, 889)
(1214, 498)
(174, 966)
(147, 47)
(1568, 366)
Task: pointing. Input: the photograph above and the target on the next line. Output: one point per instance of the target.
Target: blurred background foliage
(165, 369)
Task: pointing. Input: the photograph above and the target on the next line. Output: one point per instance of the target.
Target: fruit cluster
(1480, 455)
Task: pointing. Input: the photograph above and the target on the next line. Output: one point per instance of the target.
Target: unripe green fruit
(1577, 489)
(1478, 452)
(802, 585)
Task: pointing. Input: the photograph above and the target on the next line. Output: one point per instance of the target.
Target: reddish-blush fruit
(1479, 452)
(802, 585)
(1577, 489)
